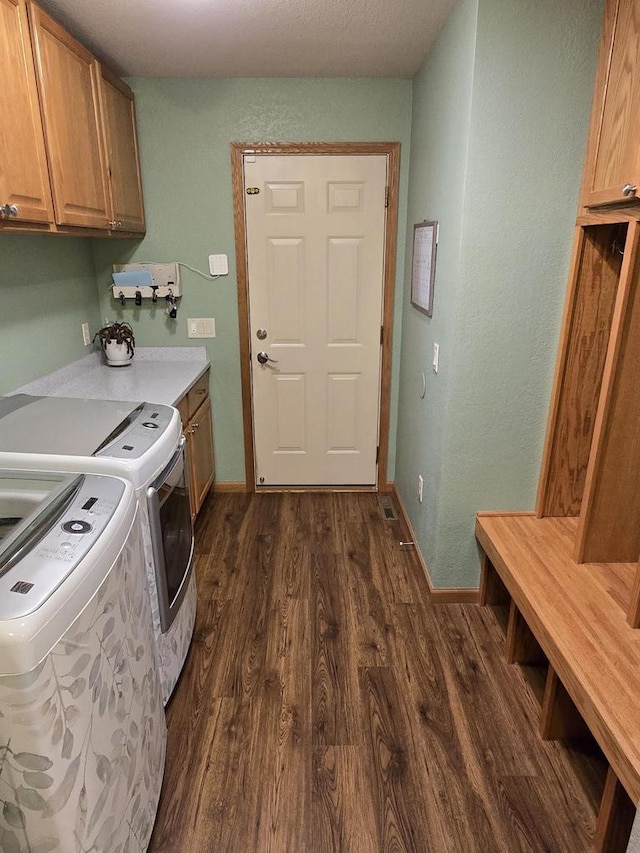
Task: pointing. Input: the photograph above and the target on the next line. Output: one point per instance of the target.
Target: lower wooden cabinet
(197, 425)
(199, 434)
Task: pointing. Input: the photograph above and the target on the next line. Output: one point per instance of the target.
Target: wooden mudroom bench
(570, 572)
(574, 615)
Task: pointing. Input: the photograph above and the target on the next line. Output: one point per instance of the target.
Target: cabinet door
(24, 177)
(188, 448)
(201, 462)
(123, 164)
(613, 156)
(68, 78)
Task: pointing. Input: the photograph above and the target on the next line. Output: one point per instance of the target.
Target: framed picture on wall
(423, 265)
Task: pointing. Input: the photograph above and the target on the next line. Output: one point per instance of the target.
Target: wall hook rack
(146, 281)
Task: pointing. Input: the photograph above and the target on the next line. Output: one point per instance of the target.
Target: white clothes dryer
(82, 728)
(142, 443)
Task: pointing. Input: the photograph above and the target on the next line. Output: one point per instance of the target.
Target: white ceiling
(256, 38)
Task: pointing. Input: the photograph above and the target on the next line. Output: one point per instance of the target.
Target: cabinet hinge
(381, 335)
(386, 196)
(377, 454)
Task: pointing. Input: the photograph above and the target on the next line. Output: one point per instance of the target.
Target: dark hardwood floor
(328, 705)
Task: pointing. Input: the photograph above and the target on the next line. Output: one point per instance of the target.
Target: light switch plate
(201, 327)
(218, 265)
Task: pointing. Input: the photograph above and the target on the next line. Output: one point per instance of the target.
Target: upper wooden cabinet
(68, 78)
(24, 177)
(126, 209)
(612, 169)
(68, 148)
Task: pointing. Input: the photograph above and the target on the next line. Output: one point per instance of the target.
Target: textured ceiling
(256, 38)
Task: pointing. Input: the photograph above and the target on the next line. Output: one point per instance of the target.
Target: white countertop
(156, 375)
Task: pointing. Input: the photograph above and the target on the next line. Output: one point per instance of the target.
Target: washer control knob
(76, 526)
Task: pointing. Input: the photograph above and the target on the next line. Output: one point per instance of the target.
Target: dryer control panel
(53, 535)
(138, 432)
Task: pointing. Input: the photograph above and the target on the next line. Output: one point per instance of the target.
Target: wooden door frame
(392, 151)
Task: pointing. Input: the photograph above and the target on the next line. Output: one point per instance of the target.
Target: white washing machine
(143, 444)
(82, 728)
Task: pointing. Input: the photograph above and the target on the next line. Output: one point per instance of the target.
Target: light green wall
(439, 151)
(497, 131)
(185, 127)
(47, 290)
(502, 266)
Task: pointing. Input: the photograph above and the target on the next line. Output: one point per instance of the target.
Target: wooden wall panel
(609, 529)
(584, 340)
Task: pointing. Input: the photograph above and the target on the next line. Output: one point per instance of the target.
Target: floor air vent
(387, 508)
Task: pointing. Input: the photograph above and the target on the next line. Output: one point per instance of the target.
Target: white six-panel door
(315, 251)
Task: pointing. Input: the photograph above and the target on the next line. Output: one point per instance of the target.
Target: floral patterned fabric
(172, 647)
(83, 736)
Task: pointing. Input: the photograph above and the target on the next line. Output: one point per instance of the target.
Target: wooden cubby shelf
(570, 571)
(575, 615)
(592, 449)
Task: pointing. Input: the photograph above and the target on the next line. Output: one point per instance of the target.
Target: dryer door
(171, 535)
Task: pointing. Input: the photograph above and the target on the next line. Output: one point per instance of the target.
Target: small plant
(119, 333)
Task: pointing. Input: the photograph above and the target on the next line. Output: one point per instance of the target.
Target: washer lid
(45, 586)
(64, 426)
(26, 502)
(53, 522)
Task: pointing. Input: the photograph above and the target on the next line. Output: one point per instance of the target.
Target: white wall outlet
(218, 265)
(86, 335)
(420, 487)
(436, 357)
(201, 327)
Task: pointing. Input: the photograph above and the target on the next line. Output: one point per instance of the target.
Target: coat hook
(172, 308)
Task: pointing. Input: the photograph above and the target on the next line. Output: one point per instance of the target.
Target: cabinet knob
(629, 190)
(112, 223)
(9, 211)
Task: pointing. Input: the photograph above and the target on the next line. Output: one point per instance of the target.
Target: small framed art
(423, 266)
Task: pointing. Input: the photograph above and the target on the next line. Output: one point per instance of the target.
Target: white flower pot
(117, 355)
